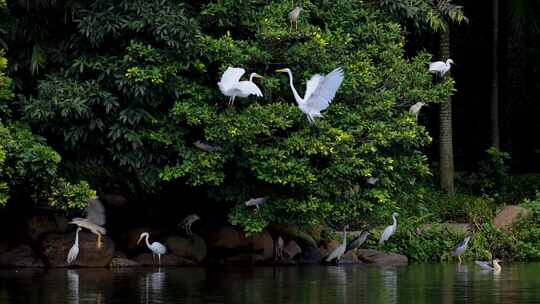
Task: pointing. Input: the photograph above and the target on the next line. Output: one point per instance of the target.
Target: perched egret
(279, 248)
(320, 90)
(187, 222)
(339, 250)
(231, 86)
(256, 202)
(358, 241)
(95, 219)
(460, 248)
(493, 267)
(440, 68)
(294, 15)
(74, 251)
(156, 247)
(206, 147)
(415, 109)
(390, 230)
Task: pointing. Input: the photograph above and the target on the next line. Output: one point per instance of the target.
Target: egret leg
(159, 259)
(189, 229)
(459, 259)
(153, 259)
(99, 240)
(296, 25)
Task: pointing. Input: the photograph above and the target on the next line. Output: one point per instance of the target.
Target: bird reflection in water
(153, 284)
(389, 282)
(73, 286)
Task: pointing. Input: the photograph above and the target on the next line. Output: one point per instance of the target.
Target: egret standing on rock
(74, 251)
(320, 90)
(339, 250)
(390, 230)
(357, 242)
(440, 68)
(95, 219)
(415, 109)
(187, 222)
(231, 86)
(460, 248)
(294, 15)
(156, 247)
(494, 267)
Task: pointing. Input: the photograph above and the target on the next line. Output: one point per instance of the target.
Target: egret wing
(73, 253)
(95, 212)
(312, 84)
(247, 88)
(230, 77)
(388, 231)
(336, 253)
(325, 91)
(437, 67)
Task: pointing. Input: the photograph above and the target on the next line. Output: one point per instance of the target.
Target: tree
(495, 134)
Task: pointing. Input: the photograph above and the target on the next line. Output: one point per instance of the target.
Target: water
(424, 283)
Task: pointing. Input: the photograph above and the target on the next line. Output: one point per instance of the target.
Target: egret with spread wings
(231, 86)
(320, 90)
(94, 220)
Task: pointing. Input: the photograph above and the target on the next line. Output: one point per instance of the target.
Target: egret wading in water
(460, 248)
(358, 241)
(94, 220)
(493, 267)
(187, 222)
(74, 251)
(231, 86)
(294, 15)
(390, 230)
(415, 109)
(339, 250)
(156, 247)
(320, 90)
(279, 248)
(440, 68)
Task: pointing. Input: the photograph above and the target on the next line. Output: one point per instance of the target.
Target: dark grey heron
(358, 241)
(256, 202)
(94, 220)
(492, 267)
(187, 222)
(294, 15)
(460, 248)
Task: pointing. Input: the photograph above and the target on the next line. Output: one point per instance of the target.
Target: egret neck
(295, 93)
(77, 236)
(345, 236)
(394, 220)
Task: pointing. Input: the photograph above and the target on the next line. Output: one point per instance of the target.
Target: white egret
(279, 248)
(74, 251)
(294, 15)
(415, 109)
(187, 222)
(390, 230)
(320, 90)
(231, 86)
(460, 248)
(256, 202)
(95, 219)
(440, 67)
(206, 147)
(339, 250)
(156, 247)
(493, 267)
(357, 242)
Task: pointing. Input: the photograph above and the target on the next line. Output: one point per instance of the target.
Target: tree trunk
(495, 137)
(446, 151)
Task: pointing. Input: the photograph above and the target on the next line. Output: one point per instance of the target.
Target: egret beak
(281, 71)
(139, 240)
(257, 76)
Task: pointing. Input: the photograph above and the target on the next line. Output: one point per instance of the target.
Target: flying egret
(231, 86)
(279, 248)
(206, 147)
(187, 222)
(358, 241)
(256, 202)
(390, 230)
(156, 247)
(440, 68)
(339, 250)
(294, 15)
(460, 248)
(493, 267)
(320, 90)
(74, 251)
(415, 109)
(95, 219)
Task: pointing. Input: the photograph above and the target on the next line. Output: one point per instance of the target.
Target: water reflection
(73, 286)
(153, 284)
(389, 284)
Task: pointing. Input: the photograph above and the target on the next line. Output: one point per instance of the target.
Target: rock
(244, 259)
(119, 254)
(327, 247)
(193, 248)
(263, 244)
(350, 258)
(122, 262)
(310, 255)
(509, 215)
(294, 233)
(38, 225)
(227, 239)
(381, 258)
(21, 256)
(55, 248)
(146, 259)
(292, 249)
(115, 200)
